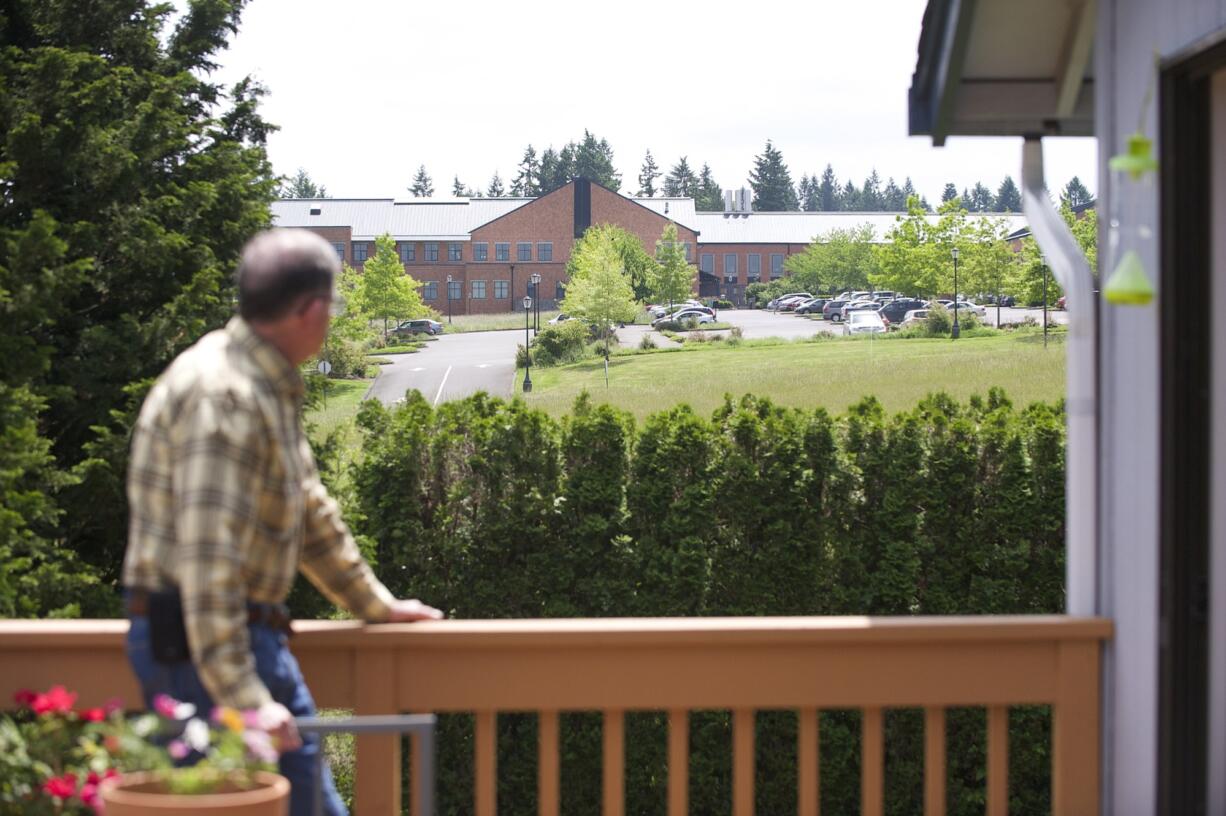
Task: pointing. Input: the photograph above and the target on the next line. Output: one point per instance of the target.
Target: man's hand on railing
(407, 611)
(280, 725)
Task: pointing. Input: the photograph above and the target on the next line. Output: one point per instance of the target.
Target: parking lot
(759, 323)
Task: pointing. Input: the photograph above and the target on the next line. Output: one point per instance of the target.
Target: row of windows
(753, 267)
(455, 251)
(476, 290)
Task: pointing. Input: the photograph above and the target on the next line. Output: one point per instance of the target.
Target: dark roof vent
(316, 211)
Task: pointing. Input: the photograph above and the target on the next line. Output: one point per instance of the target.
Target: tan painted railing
(671, 664)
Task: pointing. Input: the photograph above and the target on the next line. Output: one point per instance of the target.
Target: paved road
(452, 367)
(757, 323)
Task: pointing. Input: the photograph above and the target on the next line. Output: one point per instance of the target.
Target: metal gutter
(1072, 271)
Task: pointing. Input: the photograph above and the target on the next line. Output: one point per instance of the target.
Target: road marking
(484, 365)
(419, 368)
(439, 395)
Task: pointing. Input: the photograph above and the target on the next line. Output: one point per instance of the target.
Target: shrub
(648, 342)
(561, 343)
(938, 323)
(698, 336)
(348, 359)
(722, 304)
(736, 334)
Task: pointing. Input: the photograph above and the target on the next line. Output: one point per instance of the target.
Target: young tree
(422, 186)
(300, 185)
(916, 258)
(1075, 194)
(709, 196)
(681, 180)
(839, 259)
(771, 182)
(599, 291)
(648, 174)
(1008, 197)
(527, 182)
(908, 190)
(674, 277)
(828, 191)
(387, 292)
(495, 190)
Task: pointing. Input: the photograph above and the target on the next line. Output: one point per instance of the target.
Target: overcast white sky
(366, 90)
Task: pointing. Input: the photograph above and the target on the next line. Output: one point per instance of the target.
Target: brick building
(475, 256)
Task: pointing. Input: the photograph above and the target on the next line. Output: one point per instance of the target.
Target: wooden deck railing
(675, 665)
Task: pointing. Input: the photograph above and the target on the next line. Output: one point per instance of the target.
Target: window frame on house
(776, 265)
(363, 255)
(523, 251)
(731, 271)
(502, 289)
(429, 290)
(544, 251)
(408, 252)
(502, 251)
(481, 251)
(432, 252)
(339, 246)
(706, 263)
(751, 260)
(476, 289)
(455, 252)
(455, 290)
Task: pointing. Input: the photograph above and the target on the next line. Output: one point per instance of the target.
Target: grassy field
(343, 399)
(833, 373)
(491, 322)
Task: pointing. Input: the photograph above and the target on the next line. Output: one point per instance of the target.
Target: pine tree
(771, 182)
(546, 180)
(871, 199)
(809, 193)
(422, 187)
(1008, 197)
(924, 205)
(893, 199)
(828, 191)
(849, 198)
(593, 160)
(300, 185)
(681, 181)
(495, 190)
(949, 193)
(709, 196)
(457, 188)
(965, 201)
(648, 175)
(1075, 194)
(528, 181)
(908, 190)
(981, 198)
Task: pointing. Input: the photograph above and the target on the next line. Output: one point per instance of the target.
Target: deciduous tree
(674, 277)
(387, 292)
(599, 290)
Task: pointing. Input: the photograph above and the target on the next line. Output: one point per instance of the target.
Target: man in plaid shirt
(227, 506)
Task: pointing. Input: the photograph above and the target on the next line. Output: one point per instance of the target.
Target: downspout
(1072, 271)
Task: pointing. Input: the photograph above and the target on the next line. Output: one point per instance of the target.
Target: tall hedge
(490, 509)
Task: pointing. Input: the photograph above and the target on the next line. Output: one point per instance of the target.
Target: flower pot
(143, 794)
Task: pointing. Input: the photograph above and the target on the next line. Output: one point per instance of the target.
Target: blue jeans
(279, 670)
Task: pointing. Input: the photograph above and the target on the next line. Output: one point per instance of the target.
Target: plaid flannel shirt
(226, 504)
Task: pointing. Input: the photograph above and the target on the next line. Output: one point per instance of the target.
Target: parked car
(790, 304)
(897, 309)
(774, 304)
(965, 306)
(914, 318)
(685, 315)
(833, 310)
(860, 306)
(812, 306)
(883, 295)
(864, 322)
(561, 318)
(423, 326)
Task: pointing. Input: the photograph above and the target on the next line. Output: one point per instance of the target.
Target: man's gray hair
(281, 266)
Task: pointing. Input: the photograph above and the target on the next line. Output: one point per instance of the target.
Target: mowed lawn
(832, 373)
(342, 404)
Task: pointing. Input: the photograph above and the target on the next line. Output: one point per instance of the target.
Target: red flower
(24, 697)
(61, 787)
(57, 700)
(92, 715)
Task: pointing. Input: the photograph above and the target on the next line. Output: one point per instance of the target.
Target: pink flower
(61, 787)
(57, 700)
(112, 705)
(259, 745)
(178, 749)
(164, 705)
(92, 715)
(24, 698)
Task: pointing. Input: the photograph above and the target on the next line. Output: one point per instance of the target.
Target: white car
(685, 315)
(915, 317)
(561, 318)
(966, 306)
(864, 322)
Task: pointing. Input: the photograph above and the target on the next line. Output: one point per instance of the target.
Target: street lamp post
(527, 348)
(448, 300)
(957, 331)
(536, 294)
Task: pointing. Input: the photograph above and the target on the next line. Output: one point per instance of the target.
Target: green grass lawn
(343, 399)
(832, 373)
(491, 322)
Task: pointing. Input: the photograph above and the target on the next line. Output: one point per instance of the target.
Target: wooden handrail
(671, 664)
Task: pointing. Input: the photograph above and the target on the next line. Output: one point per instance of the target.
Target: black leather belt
(274, 616)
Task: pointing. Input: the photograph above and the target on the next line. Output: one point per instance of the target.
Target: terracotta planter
(141, 794)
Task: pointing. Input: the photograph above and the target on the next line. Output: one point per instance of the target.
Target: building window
(430, 291)
(502, 289)
(753, 269)
(339, 246)
(544, 251)
(481, 252)
(453, 251)
(776, 265)
(408, 253)
(478, 290)
(688, 257)
(730, 274)
(707, 263)
(559, 291)
(523, 251)
(502, 252)
(359, 251)
(432, 252)
(454, 291)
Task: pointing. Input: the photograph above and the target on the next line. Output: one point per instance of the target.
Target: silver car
(864, 322)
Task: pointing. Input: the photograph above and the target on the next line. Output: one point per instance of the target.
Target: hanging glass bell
(1130, 235)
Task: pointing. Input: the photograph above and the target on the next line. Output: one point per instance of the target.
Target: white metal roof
(423, 219)
(367, 217)
(680, 210)
(803, 227)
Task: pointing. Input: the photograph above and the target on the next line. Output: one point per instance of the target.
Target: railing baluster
(934, 762)
(998, 760)
(1074, 731)
(742, 761)
(487, 763)
(614, 763)
(872, 764)
(808, 765)
(678, 762)
(548, 776)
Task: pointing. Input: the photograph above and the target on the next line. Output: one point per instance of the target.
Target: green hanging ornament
(1129, 284)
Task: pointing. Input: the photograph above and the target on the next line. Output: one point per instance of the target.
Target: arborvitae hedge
(490, 509)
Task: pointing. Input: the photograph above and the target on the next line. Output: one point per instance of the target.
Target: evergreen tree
(648, 175)
(965, 201)
(981, 198)
(908, 190)
(681, 181)
(423, 186)
(527, 182)
(131, 182)
(1008, 197)
(549, 171)
(949, 193)
(1075, 194)
(495, 190)
(828, 191)
(849, 198)
(458, 189)
(810, 194)
(771, 182)
(593, 160)
(709, 196)
(924, 205)
(893, 199)
(300, 185)
(871, 199)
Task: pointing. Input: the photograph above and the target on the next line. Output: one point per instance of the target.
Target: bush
(348, 359)
(648, 342)
(564, 342)
(722, 304)
(938, 322)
